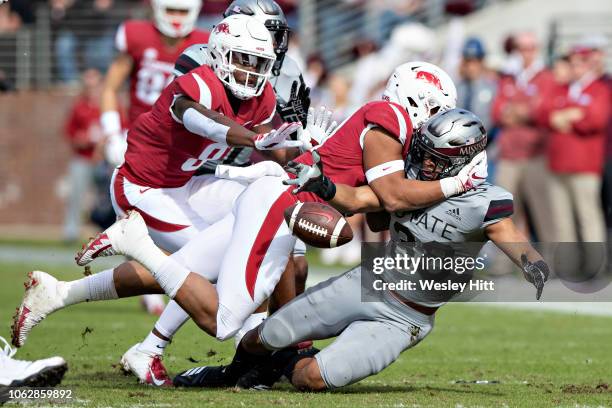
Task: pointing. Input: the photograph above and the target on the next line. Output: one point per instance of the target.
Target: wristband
(327, 190)
(110, 122)
(450, 187)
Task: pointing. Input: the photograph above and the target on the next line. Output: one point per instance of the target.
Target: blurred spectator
(86, 24)
(522, 168)
(315, 76)
(338, 87)
(24, 9)
(83, 132)
(389, 14)
(475, 90)
(368, 61)
(9, 19)
(409, 42)
(577, 115)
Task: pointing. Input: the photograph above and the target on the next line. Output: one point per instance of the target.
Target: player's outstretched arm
(213, 125)
(517, 247)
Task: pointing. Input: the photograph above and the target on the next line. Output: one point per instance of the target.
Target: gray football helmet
(444, 144)
(271, 15)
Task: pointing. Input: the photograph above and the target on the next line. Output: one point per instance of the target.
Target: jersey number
(150, 84)
(214, 151)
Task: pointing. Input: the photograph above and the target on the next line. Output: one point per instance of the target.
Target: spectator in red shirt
(84, 134)
(577, 115)
(522, 168)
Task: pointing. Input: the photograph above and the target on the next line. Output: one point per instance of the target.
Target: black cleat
(206, 377)
(281, 362)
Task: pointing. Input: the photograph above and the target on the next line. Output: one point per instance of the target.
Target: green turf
(539, 359)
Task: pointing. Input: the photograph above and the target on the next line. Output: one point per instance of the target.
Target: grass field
(534, 358)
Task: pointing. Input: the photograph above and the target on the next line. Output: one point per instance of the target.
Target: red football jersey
(162, 153)
(342, 153)
(153, 61)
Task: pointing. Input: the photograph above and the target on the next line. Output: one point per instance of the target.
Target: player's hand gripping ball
(318, 224)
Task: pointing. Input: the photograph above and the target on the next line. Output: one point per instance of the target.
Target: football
(318, 225)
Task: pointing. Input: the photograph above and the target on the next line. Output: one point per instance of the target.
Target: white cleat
(41, 299)
(18, 373)
(118, 239)
(146, 366)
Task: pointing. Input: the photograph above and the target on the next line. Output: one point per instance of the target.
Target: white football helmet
(423, 89)
(241, 52)
(173, 25)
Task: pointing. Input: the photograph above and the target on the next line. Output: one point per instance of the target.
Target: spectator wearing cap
(476, 89)
(577, 115)
(521, 168)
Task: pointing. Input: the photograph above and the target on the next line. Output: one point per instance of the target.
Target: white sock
(171, 320)
(153, 345)
(170, 275)
(99, 286)
(250, 323)
(166, 270)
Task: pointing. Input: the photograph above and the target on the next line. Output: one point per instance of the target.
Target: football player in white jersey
(374, 333)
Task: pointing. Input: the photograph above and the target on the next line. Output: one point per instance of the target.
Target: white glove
(277, 139)
(115, 148)
(251, 173)
(318, 128)
(471, 176)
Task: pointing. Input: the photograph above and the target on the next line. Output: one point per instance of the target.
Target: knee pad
(275, 334)
(227, 324)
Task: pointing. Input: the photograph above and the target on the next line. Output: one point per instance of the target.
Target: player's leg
(363, 349)
(301, 266)
(321, 312)
(257, 254)
(203, 255)
(373, 333)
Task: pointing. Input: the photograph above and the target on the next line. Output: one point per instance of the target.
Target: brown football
(318, 224)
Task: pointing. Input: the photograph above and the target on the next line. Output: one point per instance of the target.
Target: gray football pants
(371, 335)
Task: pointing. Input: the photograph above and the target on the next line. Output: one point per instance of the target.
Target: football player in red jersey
(147, 51)
(198, 117)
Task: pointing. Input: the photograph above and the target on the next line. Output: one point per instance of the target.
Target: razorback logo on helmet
(222, 28)
(429, 77)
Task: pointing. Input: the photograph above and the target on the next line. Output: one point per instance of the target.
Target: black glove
(536, 273)
(311, 178)
(296, 108)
